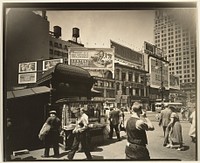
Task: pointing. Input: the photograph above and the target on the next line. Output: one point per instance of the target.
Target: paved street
(113, 149)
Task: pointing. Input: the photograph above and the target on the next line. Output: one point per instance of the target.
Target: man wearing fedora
(80, 133)
(52, 138)
(136, 127)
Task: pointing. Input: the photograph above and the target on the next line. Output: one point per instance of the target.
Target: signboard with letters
(98, 59)
(155, 74)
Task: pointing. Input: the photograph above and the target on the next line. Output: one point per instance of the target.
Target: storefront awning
(27, 92)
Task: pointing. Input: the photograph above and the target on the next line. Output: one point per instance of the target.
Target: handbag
(44, 131)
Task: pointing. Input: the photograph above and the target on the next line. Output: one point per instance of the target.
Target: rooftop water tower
(57, 31)
(75, 34)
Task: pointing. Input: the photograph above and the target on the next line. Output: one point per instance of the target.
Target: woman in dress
(175, 130)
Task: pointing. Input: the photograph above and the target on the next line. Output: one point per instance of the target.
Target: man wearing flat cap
(136, 127)
(80, 133)
(52, 138)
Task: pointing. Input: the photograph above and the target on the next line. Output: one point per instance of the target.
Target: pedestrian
(183, 113)
(114, 118)
(122, 116)
(136, 127)
(192, 131)
(52, 137)
(164, 121)
(9, 137)
(175, 130)
(80, 134)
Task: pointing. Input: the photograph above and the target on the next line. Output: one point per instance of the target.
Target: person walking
(136, 127)
(114, 118)
(52, 137)
(164, 121)
(80, 134)
(175, 130)
(192, 131)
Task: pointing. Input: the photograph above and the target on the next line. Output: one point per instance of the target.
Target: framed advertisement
(27, 78)
(27, 67)
(47, 64)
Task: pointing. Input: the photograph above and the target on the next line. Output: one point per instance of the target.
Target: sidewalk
(111, 149)
(115, 150)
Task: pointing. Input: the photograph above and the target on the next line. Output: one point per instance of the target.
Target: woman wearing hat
(52, 138)
(80, 132)
(136, 127)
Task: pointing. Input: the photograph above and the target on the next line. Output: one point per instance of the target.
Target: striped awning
(27, 92)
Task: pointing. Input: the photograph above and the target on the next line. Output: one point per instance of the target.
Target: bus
(177, 105)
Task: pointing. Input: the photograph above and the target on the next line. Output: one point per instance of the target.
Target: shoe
(179, 149)
(43, 156)
(119, 139)
(69, 158)
(169, 146)
(164, 145)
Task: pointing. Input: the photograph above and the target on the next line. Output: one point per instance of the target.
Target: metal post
(162, 85)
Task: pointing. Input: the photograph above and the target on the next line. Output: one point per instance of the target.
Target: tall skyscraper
(175, 34)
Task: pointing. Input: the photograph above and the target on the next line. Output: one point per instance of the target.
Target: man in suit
(114, 118)
(164, 121)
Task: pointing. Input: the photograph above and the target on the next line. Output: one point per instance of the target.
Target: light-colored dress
(176, 130)
(192, 131)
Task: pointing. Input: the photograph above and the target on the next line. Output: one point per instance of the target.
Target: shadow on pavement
(29, 158)
(97, 149)
(111, 141)
(185, 148)
(97, 157)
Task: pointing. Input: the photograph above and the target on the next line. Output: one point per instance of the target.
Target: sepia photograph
(100, 81)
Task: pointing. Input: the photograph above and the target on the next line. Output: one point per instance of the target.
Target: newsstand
(71, 86)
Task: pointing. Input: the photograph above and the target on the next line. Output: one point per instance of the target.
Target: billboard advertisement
(174, 82)
(156, 71)
(127, 54)
(47, 64)
(92, 59)
(26, 78)
(153, 50)
(27, 67)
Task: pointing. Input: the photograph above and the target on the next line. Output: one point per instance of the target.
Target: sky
(127, 27)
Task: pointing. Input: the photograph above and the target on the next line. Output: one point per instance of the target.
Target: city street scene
(89, 82)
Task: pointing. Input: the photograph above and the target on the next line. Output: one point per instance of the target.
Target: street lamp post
(162, 87)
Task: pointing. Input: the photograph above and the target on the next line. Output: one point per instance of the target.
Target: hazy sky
(127, 27)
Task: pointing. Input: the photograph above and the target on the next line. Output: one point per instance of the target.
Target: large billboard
(158, 68)
(92, 59)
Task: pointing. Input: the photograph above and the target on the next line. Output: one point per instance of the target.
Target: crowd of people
(135, 128)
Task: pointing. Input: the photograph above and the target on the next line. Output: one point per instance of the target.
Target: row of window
(57, 53)
(57, 45)
(187, 80)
